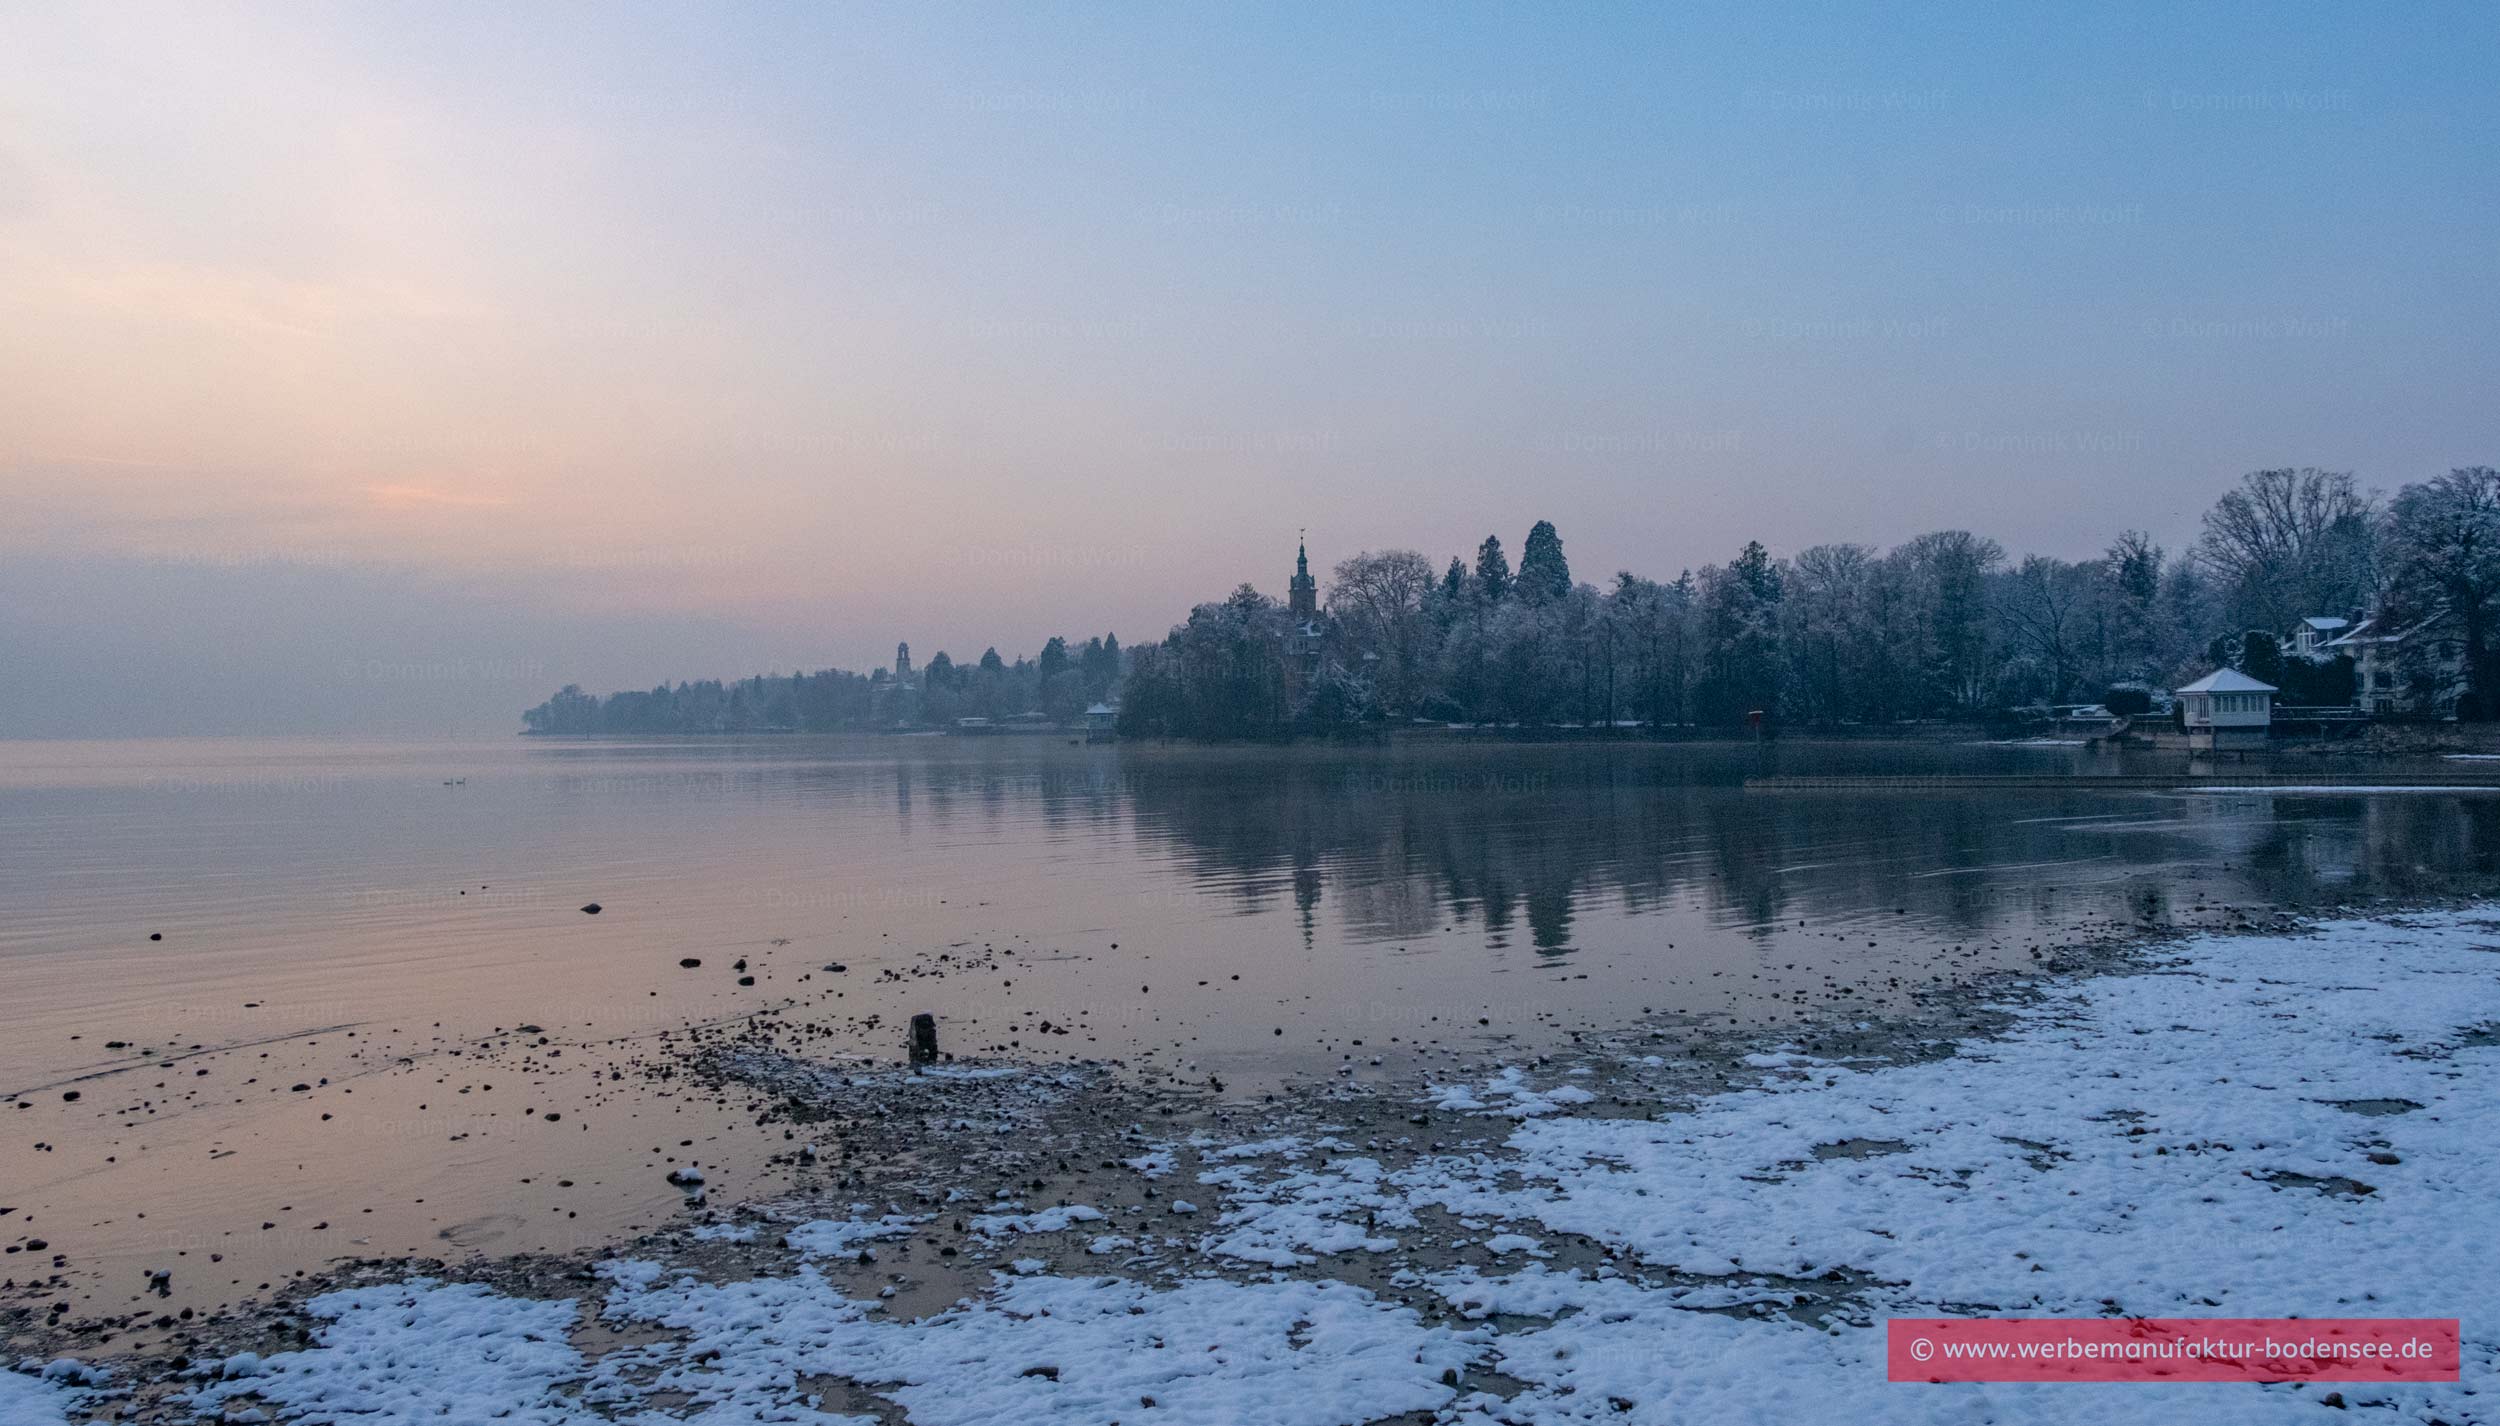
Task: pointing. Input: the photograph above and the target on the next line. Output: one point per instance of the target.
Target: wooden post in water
(923, 1040)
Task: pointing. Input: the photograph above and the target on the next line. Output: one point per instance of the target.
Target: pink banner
(2355, 1349)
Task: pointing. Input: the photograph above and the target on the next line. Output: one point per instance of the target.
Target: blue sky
(829, 325)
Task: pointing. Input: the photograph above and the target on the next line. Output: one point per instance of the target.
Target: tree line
(1943, 626)
(1059, 685)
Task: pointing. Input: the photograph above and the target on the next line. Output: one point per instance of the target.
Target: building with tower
(1306, 636)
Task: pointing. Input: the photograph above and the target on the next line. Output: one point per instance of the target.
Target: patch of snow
(1302, 1213)
(841, 1238)
(36, 1399)
(1260, 1148)
(420, 1351)
(1047, 1220)
(1507, 1093)
(1044, 1350)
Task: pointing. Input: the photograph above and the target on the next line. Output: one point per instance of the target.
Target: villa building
(2413, 670)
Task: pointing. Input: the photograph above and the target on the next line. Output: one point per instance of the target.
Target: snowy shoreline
(2244, 1125)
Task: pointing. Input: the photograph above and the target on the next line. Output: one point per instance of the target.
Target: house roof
(2323, 624)
(2226, 680)
(2368, 631)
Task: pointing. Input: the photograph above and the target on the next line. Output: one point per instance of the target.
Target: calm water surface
(347, 917)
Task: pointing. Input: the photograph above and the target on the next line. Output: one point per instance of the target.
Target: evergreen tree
(2261, 657)
(1544, 576)
(1492, 570)
(1753, 566)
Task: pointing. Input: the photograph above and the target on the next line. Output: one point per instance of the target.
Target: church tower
(1304, 633)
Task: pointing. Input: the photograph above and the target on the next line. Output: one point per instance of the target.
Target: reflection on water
(1522, 841)
(1516, 845)
(347, 882)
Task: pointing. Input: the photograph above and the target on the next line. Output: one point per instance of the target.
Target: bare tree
(1949, 572)
(2291, 543)
(1378, 600)
(2044, 614)
(1827, 629)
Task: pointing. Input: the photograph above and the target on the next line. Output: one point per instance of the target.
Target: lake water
(373, 962)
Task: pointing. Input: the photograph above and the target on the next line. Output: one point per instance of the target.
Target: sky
(379, 367)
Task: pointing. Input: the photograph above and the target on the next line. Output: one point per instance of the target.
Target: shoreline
(1277, 1185)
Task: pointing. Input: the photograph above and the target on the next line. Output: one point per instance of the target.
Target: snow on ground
(44, 1393)
(418, 1351)
(839, 1238)
(1300, 1213)
(2264, 1126)
(1508, 1093)
(1047, 1220)
(1040, 1349)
